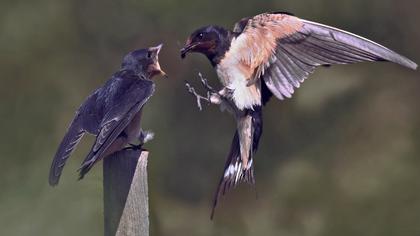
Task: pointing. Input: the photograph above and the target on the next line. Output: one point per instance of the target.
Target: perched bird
(112, 112)
(270, 54)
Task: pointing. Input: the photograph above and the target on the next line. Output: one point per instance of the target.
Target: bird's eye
(200, 36)
(149, 54)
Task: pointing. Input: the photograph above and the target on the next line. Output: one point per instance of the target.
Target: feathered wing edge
(358, 43)
(73, 136)
(233, 173)
(297, 55)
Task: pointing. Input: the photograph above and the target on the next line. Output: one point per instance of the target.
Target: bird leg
(206, 84)
(144, 137)
(221, 97)
(197, 96)
(212, 94)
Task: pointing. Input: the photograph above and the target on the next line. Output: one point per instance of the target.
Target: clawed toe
(206, 84)
(134, 146)
(197, 96)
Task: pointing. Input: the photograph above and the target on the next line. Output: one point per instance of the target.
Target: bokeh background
(340, 158)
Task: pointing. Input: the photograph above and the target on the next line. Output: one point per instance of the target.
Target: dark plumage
(212, 41)
(270, 54)
(112, 112)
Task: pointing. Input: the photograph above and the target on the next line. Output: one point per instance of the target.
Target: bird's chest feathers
(235, 75)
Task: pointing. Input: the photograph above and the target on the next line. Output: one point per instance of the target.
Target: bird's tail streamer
(234, 173)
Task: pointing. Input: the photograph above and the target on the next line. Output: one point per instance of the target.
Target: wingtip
(82, 172)
(53, 178)
(53, 182)
(212, 215)
(409, 64)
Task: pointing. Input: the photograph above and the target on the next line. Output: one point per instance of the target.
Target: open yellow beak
(155, 68)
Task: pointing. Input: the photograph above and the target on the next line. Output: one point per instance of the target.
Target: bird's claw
(134, 146)
(206, 84)
(197, 96)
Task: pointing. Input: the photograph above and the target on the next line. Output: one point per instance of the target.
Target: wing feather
(289, 49)
(73, 136)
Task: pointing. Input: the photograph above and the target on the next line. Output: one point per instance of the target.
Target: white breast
(231, 76)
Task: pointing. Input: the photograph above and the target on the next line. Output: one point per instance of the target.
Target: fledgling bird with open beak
(112, 112)
(265, 55)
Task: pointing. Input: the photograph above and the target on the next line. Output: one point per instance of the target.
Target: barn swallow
(265, 55)
(112, 112)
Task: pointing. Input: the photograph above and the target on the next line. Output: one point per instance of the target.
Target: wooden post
(126, 203)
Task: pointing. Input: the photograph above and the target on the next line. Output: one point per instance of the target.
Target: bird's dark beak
(188, 47)
(155, 67)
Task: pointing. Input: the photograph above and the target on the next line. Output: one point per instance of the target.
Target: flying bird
(112, 112)
(265, 55)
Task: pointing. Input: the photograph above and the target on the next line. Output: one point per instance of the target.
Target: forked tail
(234, 173)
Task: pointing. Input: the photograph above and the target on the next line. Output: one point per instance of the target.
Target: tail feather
(94, 156)
(85, 168)
(88, 163)
(234, 173)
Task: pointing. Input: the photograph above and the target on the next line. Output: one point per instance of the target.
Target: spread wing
(130, 96)
(283, 50)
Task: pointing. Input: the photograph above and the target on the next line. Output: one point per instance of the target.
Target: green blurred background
(340, 158)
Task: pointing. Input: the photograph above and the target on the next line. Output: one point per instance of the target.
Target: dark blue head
(212, 41)
(144, 62)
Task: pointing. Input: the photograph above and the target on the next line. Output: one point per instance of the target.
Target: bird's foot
(197, 96)
(205, 83)
(134, 146)
(144, 137)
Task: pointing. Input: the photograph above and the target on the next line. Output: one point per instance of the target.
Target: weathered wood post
(126, 203)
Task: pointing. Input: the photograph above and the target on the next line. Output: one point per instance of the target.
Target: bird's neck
(135, 73)
(222, 46)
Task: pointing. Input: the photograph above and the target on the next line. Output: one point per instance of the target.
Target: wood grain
(126, 203)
